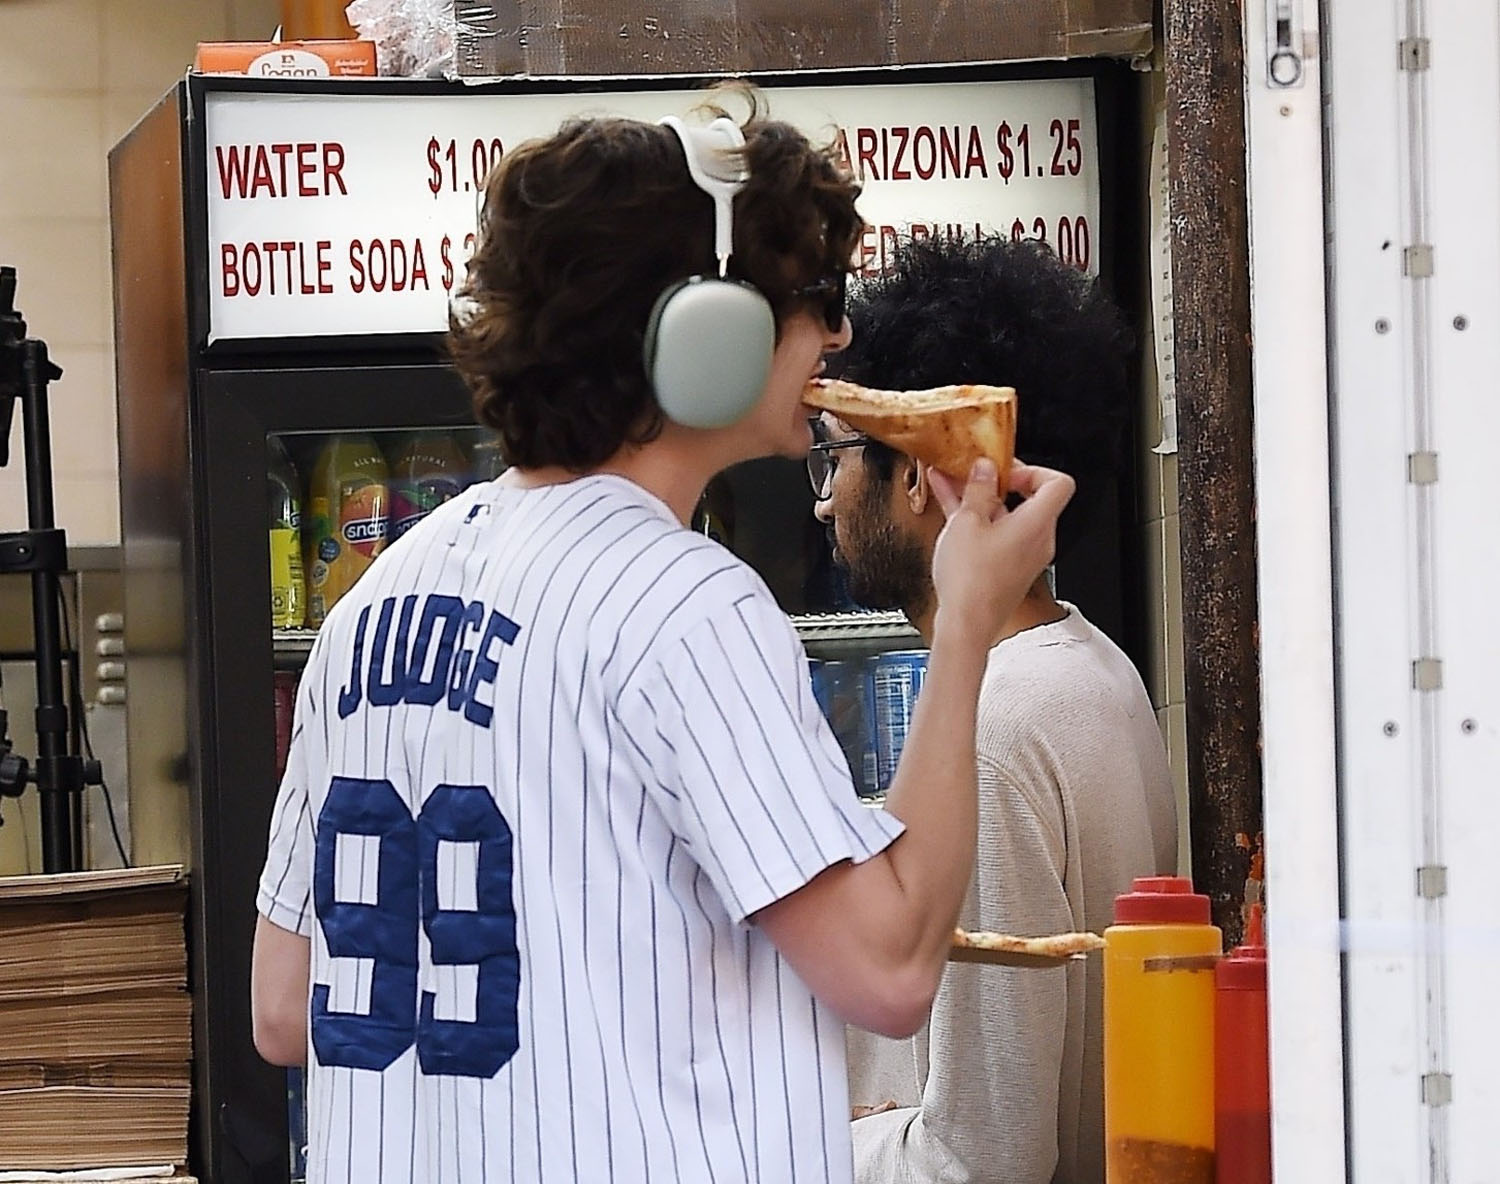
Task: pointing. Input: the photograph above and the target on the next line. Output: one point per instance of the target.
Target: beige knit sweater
(1005, 1084)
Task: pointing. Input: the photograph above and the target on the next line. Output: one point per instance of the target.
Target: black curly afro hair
(1009, 314)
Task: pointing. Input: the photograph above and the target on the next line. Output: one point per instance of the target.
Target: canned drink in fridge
(896, 681)
(842, 691)
(820, 687)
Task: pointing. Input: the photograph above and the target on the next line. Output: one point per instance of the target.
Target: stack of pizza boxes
(95, 1024)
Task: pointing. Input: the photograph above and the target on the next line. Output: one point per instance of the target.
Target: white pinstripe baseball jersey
(548, 755)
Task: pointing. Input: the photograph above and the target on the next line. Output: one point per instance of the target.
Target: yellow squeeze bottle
(1159, 959)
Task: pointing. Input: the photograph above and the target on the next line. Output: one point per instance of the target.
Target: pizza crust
(1058, 945)
(948, 427)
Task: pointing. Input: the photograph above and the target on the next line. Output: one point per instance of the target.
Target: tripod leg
(58, 840)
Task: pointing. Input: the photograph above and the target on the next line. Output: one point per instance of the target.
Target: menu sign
(354, 213)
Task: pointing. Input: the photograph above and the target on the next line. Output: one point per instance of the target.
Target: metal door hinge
(1437, 1089)
(1416, 261)
(1432, 881)
(1416, 53)
(1427, 674)
(1422, 468)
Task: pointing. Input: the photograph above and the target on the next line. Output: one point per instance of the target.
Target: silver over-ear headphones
(710, 338)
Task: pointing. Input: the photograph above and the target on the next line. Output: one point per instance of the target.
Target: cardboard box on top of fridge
(287, 59)
(594, 37)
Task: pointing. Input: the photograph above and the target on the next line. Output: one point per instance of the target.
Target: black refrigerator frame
(193, 420)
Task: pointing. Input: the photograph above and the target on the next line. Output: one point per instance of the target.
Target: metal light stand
(59, 775)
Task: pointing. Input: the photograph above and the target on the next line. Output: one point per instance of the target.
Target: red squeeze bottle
(1242, 1063)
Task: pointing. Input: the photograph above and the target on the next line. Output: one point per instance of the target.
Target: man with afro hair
(1075, 798)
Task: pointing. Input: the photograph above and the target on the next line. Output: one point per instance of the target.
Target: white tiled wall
(1163, 542)
(74, 76)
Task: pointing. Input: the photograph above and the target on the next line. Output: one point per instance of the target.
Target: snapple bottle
(348, 501)
(428, 469)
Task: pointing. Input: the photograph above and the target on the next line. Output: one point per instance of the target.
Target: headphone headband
(709, 342)
(715, 169)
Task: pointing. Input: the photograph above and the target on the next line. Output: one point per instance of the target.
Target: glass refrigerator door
(302, 477)
(866, 666)
(335, 501)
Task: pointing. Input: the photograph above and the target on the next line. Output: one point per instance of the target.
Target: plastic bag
(413, 38)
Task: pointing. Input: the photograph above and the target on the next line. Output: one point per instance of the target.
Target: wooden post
(1216, 479)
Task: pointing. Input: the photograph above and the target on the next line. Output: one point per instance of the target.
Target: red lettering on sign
(975, 156)
(281, 152)
(231, 170)
(305, 169)
(262, 178)
(248, 170)
(903, 153)
(867, 142)
(251, 270)
(333, 168)
(899, 172)
(387, 265)
(276, 268)
(877, 244)
(948, 142)
(229, 270)
(923, 138)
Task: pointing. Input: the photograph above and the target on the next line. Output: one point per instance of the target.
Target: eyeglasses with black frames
(821, 461)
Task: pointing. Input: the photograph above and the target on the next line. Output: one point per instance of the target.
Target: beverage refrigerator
(284, 254)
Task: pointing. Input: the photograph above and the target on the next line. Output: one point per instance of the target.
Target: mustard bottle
(1159, 959)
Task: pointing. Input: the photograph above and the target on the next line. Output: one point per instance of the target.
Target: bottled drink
(488, 462)
(347, 503)
(426, 471)
(314, 20)
(288, 592)
(714, 514)
(1159, 961)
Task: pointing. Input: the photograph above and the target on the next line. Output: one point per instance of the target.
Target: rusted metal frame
(1211, 303)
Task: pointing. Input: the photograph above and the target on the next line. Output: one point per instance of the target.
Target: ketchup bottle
(1242, 1062)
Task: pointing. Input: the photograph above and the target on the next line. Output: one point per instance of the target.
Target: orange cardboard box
(287, 59)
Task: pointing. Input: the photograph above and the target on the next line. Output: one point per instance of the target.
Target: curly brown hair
(579, 234)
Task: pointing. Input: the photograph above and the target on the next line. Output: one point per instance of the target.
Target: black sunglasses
(829, 296)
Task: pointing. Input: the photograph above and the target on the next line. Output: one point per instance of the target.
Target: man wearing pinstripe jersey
(567, 879)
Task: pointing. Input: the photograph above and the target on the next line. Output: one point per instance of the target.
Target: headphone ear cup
(708, 351)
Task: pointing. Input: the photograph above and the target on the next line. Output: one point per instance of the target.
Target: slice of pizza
(949, 427)
(1057, 945)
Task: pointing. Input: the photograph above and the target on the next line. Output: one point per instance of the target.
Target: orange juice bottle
(347, 503)
(1159, 960)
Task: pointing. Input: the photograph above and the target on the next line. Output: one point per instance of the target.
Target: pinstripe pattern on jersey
(657, 753)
